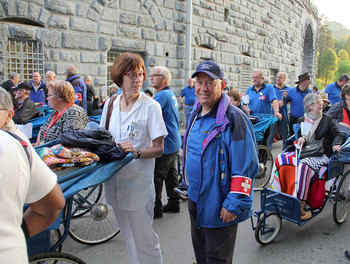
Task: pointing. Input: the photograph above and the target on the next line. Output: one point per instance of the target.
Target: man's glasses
(3, 109)
(156, 74)
(133, 76)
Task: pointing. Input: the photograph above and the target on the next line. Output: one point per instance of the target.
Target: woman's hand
(337, 148)
(126, 146)
(301, 141)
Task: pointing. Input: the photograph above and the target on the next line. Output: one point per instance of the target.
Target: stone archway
(308, 51)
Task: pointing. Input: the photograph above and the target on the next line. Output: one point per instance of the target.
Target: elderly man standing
(220, 161)
(333, 90)
(91, 95)
(38, 94)
(282, 124)
(165, 168)
(190, 97)
(296, 96)
(50, 76)
(78, 84)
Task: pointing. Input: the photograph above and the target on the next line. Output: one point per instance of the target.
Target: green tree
(343, 55)
(347, 44)
(329, 62)
(343, 67)
(325, 41)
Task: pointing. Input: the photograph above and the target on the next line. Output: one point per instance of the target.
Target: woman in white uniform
(137, 125)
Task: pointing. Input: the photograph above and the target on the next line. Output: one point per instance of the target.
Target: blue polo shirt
(260, 101)
(168, 102)
(333, 90)
(296, 97)
(279, 95)
(190, 96)
(195, 141)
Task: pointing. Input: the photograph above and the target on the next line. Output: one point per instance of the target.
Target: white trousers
(142, 241)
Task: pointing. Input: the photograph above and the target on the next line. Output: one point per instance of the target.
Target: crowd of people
(220, 158)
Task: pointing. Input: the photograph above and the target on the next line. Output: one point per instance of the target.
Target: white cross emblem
(246, 185)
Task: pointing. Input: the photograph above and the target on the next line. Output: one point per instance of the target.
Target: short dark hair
(124, 63)
(344, 77)
(148, 91)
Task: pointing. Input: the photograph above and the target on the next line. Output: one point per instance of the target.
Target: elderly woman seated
(67, 115)
(316, 126)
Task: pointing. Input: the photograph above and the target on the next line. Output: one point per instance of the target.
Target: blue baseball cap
(210, 68)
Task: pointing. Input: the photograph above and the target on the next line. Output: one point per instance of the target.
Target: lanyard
(56, 117)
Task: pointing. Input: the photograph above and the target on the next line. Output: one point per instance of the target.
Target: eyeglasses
(3, 109)
(133, 76)
(156, 74)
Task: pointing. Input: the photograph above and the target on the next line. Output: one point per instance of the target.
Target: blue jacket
(80, 91)
(38, 96)
(229, 151)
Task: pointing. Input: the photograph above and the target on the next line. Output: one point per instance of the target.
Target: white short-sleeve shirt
(132, 188)
(19, 184)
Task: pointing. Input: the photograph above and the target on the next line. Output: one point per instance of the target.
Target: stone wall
(241, 35)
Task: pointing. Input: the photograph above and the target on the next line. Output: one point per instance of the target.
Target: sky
(335, 10)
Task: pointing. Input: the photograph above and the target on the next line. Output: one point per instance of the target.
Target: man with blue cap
(219, 163)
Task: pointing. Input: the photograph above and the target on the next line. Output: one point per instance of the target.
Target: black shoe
(171, 209)
(347, 254)
(158, 213)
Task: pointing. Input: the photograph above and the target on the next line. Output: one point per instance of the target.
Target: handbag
(314, 149)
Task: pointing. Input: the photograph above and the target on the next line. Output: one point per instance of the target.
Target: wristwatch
(138, 152)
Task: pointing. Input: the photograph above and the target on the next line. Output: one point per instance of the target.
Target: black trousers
(166, 170)
(211, 245)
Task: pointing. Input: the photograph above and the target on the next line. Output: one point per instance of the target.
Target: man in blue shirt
(261, 96)
(166, 167)
(333, 90)
(296, 96)
(282, 124)
(39, 93)
(190, 98)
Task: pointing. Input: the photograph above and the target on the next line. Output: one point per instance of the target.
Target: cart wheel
(268, 228)
(85, 199)
(95, 227)
(265, 167)
(54, 257)
(341, 206)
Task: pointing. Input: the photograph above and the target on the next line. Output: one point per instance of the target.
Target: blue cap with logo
(210, 68)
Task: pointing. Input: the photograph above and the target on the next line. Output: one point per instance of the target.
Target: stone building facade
(240, 35)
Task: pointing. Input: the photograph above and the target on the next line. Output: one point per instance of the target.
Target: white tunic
(132, 188)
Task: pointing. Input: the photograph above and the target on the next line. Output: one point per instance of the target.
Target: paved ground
(319, 241)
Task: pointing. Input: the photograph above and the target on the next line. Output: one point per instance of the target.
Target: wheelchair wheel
(97, 226)
(54, 257)
(265, 167)
(268, 228)
(56, 235)
(85, 199)
(341, 206)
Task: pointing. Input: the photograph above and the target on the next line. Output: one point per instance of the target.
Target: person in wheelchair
(315, 126)
(61, 96)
